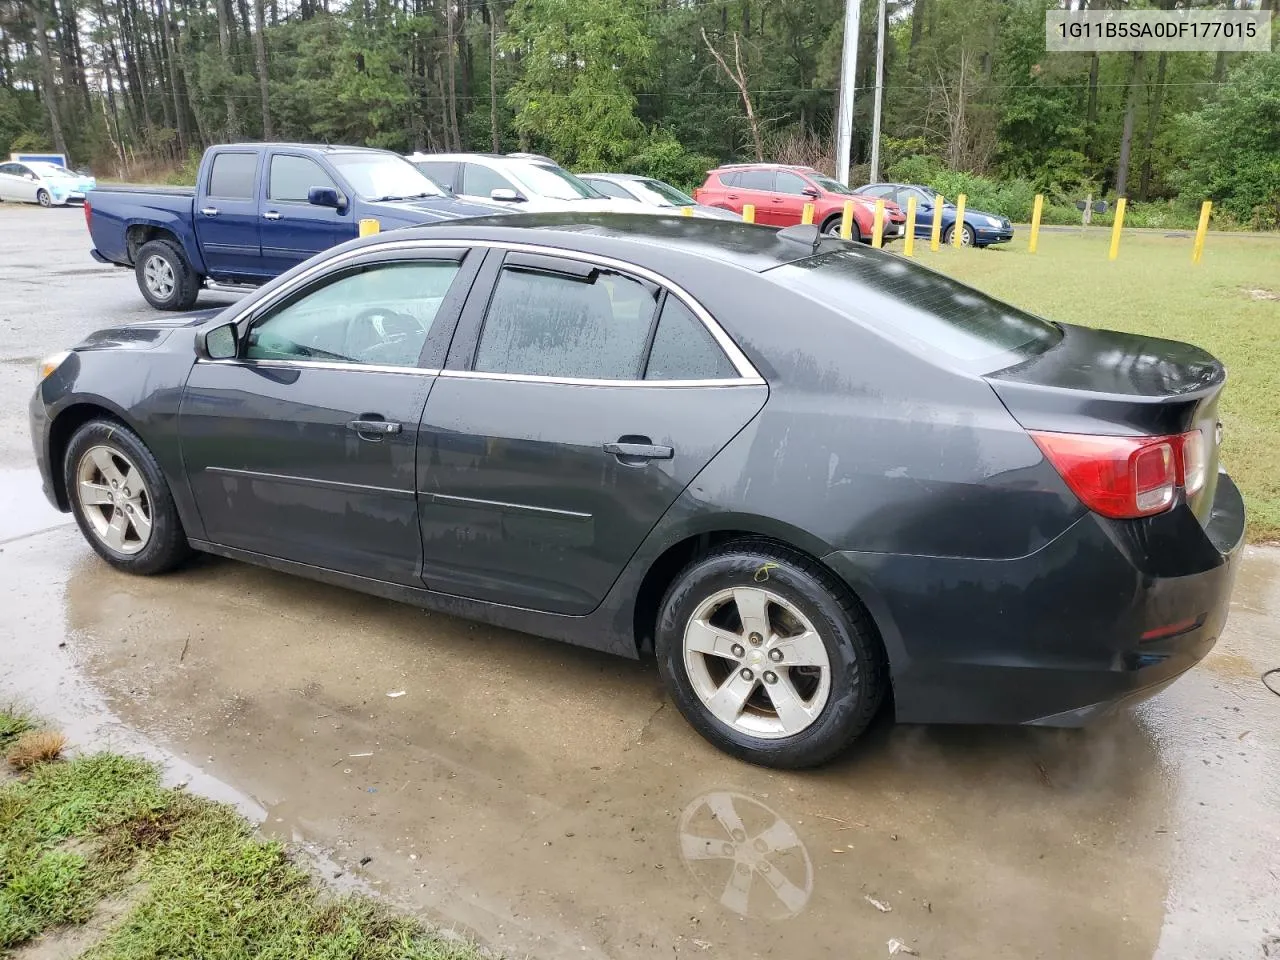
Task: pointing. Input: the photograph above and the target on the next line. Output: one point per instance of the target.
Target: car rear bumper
(1056, 637)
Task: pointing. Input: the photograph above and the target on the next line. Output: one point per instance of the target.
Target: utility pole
(875, 123)
(848, 79)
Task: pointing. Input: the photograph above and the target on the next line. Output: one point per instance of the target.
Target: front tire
(43, 198)
(121, 501)
(966, 239)
(165, 278)
(831, 227)
(768, 656)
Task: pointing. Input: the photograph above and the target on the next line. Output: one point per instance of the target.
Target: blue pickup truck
(258, 209)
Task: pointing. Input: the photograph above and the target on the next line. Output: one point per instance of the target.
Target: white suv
(526, 183)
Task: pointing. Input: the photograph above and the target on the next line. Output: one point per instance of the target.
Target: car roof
(615, 176)
(766, 166)
(645, 239)
(486, 158)
(321, 147)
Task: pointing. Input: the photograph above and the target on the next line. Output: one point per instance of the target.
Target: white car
(47, 184)
(653, 193)
(527, 183)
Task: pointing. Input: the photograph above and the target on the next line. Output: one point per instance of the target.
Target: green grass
(199, 881)
(1153, 288)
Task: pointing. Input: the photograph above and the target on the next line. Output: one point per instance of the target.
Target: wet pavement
(551, 801)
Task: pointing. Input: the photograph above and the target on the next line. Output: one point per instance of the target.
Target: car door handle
(631, 452)
(731, 196)
(375, 429)
(209, 211)
(778, 200)
(271, 215)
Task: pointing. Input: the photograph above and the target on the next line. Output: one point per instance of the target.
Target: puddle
(23, 507)
(544, 799)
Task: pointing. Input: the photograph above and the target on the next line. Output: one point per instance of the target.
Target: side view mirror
(220, 343)
(326, 197)
(505, 195)
(811, 193)
(32, 176)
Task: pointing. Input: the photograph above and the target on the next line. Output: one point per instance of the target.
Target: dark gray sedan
(808, 476)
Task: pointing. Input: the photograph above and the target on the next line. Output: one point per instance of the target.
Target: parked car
(800, 472)
(524, 183)
(48, 184)
(779, 193)
(257, 210)
(652, 193)
(980, 229)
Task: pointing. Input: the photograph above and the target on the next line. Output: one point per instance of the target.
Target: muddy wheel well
(140, 233)
(67, 423)
(667, 567)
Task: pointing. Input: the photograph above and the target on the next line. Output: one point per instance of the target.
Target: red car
(780, 191)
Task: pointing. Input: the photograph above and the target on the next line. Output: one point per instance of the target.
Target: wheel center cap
(756, 657)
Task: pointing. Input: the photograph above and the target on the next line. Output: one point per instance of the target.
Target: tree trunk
(170, 55)
(73, 54)
(919, 11)
(493, 79)
(260, 52)
(224, 42)
(48, 89)
(1126, 134)
(1153, 121)
(452, 102)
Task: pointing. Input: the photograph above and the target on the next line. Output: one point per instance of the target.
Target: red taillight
(88, 213)
(1126, 477)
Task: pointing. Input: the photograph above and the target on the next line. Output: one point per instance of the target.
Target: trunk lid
(1119, 384)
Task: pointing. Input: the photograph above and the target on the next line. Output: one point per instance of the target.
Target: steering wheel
(378, 334)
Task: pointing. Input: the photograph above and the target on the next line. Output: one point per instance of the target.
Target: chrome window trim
(747, 374)
(324, 365)
(593, 382)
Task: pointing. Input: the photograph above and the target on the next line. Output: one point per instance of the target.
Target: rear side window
(756, 180)
(919, 308)
(550, 325)
(293, 177)
(683, 349)
(232, 176)
(730, 179)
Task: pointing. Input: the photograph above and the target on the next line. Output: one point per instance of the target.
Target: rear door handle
(638, 452)
(731, 196)
(375, 429)
(209, 211)
(271, 215)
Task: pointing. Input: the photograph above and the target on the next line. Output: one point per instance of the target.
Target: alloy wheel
(114, 499)
(158, 276)
(757, 663)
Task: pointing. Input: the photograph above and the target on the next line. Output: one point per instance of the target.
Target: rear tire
(165, 278)
(817, 655)
(43, 198)
(121, 501)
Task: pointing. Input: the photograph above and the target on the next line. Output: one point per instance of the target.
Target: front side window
(552, 325)
(683, 349)
(232, 176)
(293, 177)
(790, 183)
(379, 314)
(830, 185)
(480, 181)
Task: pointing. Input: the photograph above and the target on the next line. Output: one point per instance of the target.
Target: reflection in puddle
(746, 856)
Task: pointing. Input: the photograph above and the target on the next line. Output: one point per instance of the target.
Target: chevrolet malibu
(809, 477)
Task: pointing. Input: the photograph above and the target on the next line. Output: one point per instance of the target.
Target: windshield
(554, 183)
(383, 176)
(919, 309)
(662, 194)
(831, 186)
(51, 169)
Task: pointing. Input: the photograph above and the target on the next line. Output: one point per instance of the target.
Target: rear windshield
(919, 308)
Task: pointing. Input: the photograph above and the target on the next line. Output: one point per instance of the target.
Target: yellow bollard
(1035, 222)
(846, 221)
(957, 228)
(369, 226)
(1198, 250)
(749, 212)
(909, 239)
(877, 225)
(937, 223)
(807, 216)
(1116, 228)
(686, 211)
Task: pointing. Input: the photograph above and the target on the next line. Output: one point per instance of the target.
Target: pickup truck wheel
(165, 277)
